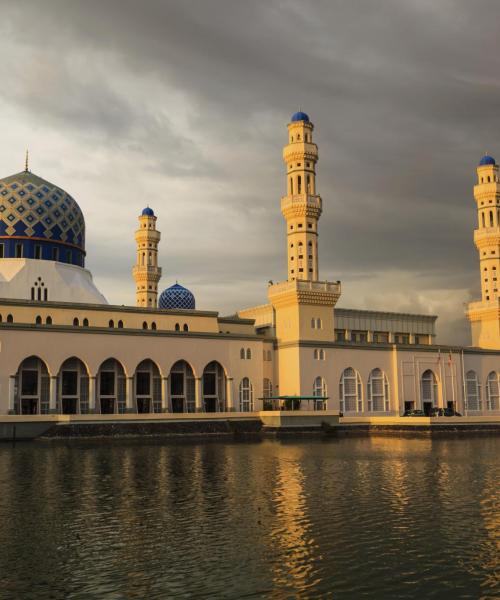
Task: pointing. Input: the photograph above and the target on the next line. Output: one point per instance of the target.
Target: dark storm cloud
(192, 99)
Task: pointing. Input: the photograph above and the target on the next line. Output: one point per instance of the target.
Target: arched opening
(76, 322)
(320, 393)
(491, 218)
(350, 391)
(249, 354)
(246, 395)
(153, 326)
(85, 322)
(120, 324)
(299, 184)
(48, 321)
(73, 387)
(378, 392)
(472, 389)
(493, 391)
(242, 353)
(214, 388)
(428, 391)
(32, 387)
(182, 388)
(185, 327)
(147, 386)
(177, 327)
(111, 323)
(111, 387)
(10, 319)
(144, 325)
(38, 320)
(482, 218)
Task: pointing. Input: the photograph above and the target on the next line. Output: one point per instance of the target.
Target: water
(344, 519)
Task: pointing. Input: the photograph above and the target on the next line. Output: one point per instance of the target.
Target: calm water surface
(353, 518)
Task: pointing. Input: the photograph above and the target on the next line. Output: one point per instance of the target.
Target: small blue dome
(148, 212)
(300, 116)
(177, 296)
(487, 160)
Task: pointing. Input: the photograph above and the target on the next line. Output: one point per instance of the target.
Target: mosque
(65, 350)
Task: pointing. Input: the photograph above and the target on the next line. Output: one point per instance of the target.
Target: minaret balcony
(487, 236)
(301, 204)
(306, 292)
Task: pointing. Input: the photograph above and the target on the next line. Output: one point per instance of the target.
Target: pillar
(164, 395)
(129, 395)
(12, 395)
(229, 395)
(53, 395)
(92, 394)
(198, 400)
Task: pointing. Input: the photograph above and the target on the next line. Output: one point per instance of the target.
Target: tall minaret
(484, 315)
(487, 234)
(146, 271)
(301, 207)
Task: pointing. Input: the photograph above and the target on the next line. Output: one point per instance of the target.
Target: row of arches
(39, 320)
(351, 391)
(473, 391)
(74, 391)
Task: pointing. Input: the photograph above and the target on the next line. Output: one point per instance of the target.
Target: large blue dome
(487, 160)
(40, 220)
(300, 116)
(177, 296)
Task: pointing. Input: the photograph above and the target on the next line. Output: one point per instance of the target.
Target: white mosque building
(65, 350)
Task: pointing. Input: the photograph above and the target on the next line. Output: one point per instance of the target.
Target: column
(12, 395)
(129, 395)
(164, 395)
(198, 401)
(53, 395)
(229, 395)
(92, 394)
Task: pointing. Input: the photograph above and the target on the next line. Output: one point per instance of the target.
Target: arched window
(242, 353)
(45, 294)
(185, 327)
(472, 390)
(482, 215)
(291, 185)
(177, 327)
(319, 324)
(10, 319)
(350, 391)
(48, 321)
(144, 325)
(428, 390)
(378, 391)
(492, 389)
(153, 325)
(322, 354)
(38, 320)
(313, 323)
(491, 218)
(249, 354)
(1, 319)
(299, 184)
(246, 395)
(267, 388)
(111, 323)
(316, 354)
(319, 391)
(85, 322)
(120, 324)
(76, 322)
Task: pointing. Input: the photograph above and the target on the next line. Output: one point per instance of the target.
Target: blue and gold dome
(300, 116)
(177, 296)
(487, 160)
(40, 220)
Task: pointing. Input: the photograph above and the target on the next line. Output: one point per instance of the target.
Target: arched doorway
(111, 387)
(214, 388)
(73, 387)
(32, 387)
(429, 391)
(182, 387)
(147, 386)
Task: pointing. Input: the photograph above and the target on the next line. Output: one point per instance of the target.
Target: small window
(10, 319)
(120, 324)
(2, 250)
(48, 321)
(185, 328)
(153, 326)
(85, 322)
(19, 250)
(313, 323)
(55, 253)
(38, 320)
(76, 322)
(177, 327)
(242, 353)
(111, 323)
(45, 294)
(249, 354)
(144, 325)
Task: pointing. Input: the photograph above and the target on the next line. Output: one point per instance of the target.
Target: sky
(183, 106)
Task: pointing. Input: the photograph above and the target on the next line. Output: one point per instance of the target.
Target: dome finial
(26, 164)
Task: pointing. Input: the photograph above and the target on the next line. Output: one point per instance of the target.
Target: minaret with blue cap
(146, 271)
(301, 206)
(484, 315)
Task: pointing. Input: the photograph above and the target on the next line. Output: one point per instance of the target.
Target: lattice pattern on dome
(176, 297)
(33, 207)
